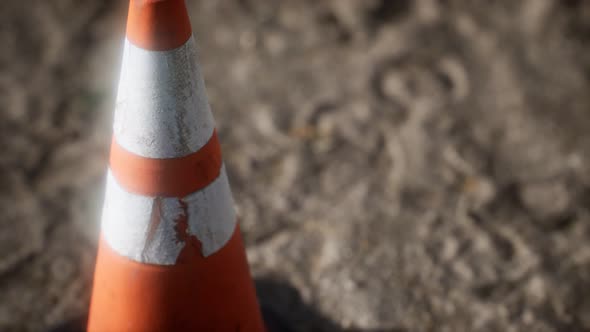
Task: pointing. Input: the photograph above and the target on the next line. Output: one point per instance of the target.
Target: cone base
(205, 294)
(273, 321)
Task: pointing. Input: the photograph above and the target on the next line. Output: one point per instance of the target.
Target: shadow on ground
(283, 307)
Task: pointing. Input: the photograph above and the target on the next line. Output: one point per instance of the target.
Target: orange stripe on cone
(158, 25)
(167, 177)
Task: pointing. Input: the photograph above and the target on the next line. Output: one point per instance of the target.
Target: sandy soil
(398, 165)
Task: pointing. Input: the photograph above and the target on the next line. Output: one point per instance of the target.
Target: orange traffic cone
(170, 256)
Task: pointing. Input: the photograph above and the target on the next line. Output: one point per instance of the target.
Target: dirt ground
(398, 165)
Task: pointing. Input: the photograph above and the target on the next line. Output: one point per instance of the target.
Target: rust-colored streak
(155, 219)
(190, 251)
(202, 294)
(192, 245)
(181, 226)
(173, 177)
(158, 25)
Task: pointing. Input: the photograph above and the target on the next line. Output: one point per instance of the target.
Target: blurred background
(398, 165)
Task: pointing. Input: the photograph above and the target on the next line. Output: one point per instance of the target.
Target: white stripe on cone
(162, 109)
(145, 229)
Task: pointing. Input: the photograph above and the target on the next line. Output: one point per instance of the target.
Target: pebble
(546, 200)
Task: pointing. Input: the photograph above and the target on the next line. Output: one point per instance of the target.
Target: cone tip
(158, 25)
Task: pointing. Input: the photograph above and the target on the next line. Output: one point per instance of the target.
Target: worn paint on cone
(170, 257)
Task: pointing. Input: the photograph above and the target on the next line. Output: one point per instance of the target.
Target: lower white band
(150, 229)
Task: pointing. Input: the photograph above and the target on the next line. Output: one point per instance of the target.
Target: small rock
(536, 290)
(275, 43)
(449, 249)
(463, 271)
(479, 190)
(546, 200)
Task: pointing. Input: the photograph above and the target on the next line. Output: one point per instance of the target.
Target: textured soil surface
(398, 165)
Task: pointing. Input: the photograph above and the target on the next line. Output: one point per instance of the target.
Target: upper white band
(162, 109)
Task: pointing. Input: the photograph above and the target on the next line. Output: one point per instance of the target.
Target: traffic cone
(170, 256)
